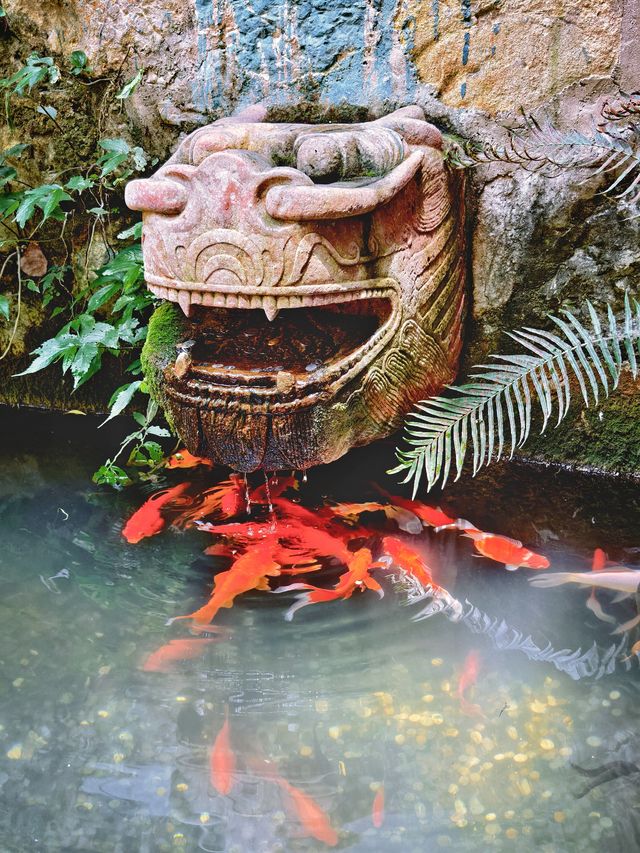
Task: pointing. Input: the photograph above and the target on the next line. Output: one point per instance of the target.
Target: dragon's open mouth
(275, 354)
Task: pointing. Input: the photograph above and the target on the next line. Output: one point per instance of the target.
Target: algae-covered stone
(605, 437)
(166, 330)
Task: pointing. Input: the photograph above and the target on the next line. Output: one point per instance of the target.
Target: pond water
(348, 698)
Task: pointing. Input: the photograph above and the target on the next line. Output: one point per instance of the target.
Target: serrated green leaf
(78, 183)
(121, 399)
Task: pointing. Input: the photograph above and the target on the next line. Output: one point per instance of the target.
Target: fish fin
(620, 596)
(596, 608)
(556, 579)
(473, 533)
(372, 584)
(627, 626)
(463, 524)
(512, 567)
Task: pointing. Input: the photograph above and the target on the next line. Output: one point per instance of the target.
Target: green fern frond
(490, 416)
(542, 148)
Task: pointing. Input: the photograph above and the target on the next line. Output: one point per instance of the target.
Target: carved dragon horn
(313, 201)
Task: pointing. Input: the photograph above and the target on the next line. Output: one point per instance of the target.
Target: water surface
(98, 755)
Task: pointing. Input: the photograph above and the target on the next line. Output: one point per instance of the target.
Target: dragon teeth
(184, 301)
(270, 308)
(271, 305)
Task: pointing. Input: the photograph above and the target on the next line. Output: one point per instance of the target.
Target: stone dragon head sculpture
(319, 276)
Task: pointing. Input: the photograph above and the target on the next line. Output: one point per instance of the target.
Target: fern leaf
(491, 414)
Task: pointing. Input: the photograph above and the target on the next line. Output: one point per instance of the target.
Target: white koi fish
(619, 579)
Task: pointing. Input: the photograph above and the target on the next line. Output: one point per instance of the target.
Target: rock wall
(536, 244)
(207, 57)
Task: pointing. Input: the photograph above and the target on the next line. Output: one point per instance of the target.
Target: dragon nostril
(156, 196)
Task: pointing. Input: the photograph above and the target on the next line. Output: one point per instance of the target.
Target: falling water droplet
(247, 496)
(267, 489)
(304, 476)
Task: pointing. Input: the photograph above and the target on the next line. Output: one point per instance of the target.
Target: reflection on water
(348, 699)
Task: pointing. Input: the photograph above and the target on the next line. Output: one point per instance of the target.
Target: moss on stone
(605, 437)
(166, 329)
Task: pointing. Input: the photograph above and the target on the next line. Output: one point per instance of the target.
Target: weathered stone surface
(208, 56)
(322, 274)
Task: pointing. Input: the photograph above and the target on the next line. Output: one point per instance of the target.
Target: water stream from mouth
(101, 751)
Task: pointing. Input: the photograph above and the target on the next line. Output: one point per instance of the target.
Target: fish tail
(627, 626)
(596, 608)
(556, 579)
(301, 601)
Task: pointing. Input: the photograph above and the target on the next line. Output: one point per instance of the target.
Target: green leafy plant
(144, 452)
(106, 315)
(491, 415)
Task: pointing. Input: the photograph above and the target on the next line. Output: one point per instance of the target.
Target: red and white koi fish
(222, 760)
(357, 576)
(148, 520)
(430, 516)
(163, 659)
(249, 571)
(468, 678)
(184, 459)
(377, 810)
(598, 563)
(502, 549)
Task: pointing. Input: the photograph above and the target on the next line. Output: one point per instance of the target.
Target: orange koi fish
(408, 560)
(377, 810)
(226, 499)
(291, 510)
(313, 819)
(356, 577)
(468, 678)
(599, 562)
(162, 659)
(351, 511)
(502, 549)
(222, 760)
(314, 541)
(147, 521)
(184, 459)
(249, 571)
(294, 560)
